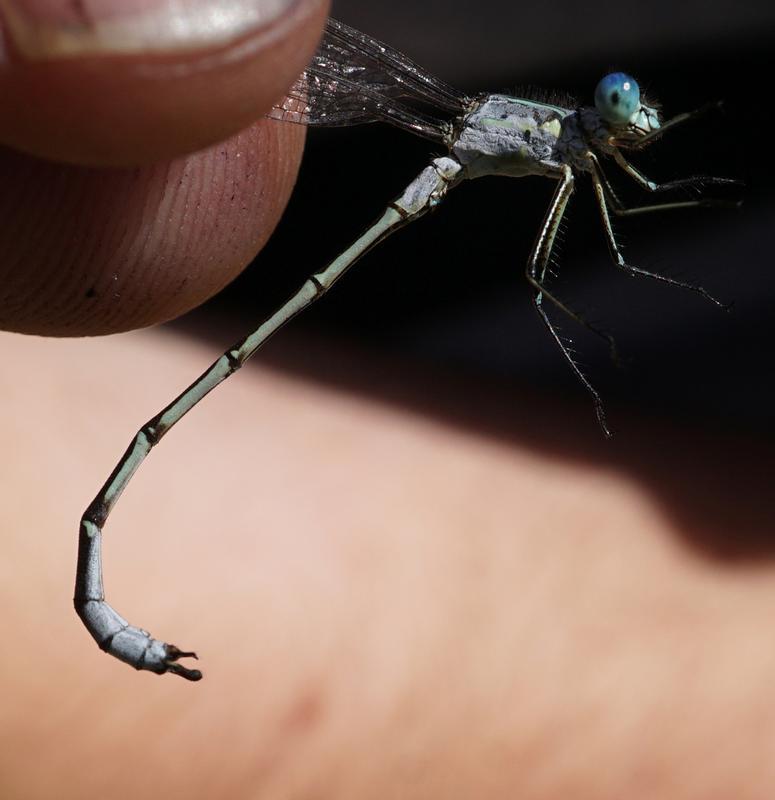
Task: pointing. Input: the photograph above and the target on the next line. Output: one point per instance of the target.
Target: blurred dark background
(447, 295)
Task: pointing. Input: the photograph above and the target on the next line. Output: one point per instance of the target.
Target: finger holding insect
(90, 251)
(128, 82)
(134, 231)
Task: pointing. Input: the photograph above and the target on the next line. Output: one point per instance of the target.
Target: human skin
(137, 228)
(391, 598)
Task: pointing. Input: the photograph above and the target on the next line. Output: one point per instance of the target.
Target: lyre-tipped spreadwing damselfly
(354, 79)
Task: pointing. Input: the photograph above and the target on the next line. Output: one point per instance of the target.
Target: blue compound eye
(617, 98)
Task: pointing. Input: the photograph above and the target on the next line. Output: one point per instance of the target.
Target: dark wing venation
(354, 79)
(366, 61)
(322, 100)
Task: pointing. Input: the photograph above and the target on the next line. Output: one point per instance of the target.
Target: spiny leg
(633, 211)
(692, 182)
(111, 631)
(619, 208)
(536, 272)
(616, 255)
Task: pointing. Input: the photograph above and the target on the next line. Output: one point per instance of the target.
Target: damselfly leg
(536, 271)
(618, 258)
(618, 207)
(605, 196)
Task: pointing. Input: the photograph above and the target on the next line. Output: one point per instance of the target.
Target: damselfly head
(618, 101)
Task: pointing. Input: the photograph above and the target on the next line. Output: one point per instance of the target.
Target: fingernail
(44, 29)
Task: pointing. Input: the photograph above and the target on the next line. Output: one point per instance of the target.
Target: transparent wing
(353, 79)
(351, 53)
(319, 99)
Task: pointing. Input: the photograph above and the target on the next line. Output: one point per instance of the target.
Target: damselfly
(354, 79)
